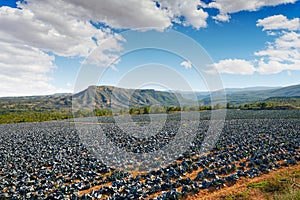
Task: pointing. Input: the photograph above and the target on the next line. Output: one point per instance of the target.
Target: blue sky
(46, 44)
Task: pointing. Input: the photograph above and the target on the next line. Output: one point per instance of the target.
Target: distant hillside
(293, 101)
(113, 97)
(103, 100)
(229, 91)
(193, 95)
(56, 102)
(102, 97)
(290, 91)
(248, 96)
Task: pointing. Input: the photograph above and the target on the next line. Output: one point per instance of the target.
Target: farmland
(49, 159)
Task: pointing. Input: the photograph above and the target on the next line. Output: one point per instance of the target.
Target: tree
(229, 106)
(218, 106)
(170, 109)
(131, 111)
(147, 110)
(263, 105)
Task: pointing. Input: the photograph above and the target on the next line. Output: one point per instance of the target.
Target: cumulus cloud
(130, 14)
(279, 22)
(282, 54)
(189, 9)
(26, 36)
(28, 75)
(222, 17)
(58, 32)
(234, 66)
(228, 6)
(72, 28)
(114, 13)
(186, 64)
(274, 67)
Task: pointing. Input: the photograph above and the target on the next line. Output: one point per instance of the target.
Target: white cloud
(24, 39)
(186, 64)
(222, 17)
(31, 30)
(289, 40)
(282, 54)
(274, 67)
(58, 32)
(188, 9)
(107, 53)
(28, 75)
(63, 27)
(234, 66)
(271, 33)
(229, 6)
(122, 15)
(279, 22)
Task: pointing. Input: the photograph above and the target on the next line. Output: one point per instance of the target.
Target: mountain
(289, 91)
(192, 95)
(112, 97)
(251, 96)
(293, 101)
(56, 102)
(232, 90)
(205, 94)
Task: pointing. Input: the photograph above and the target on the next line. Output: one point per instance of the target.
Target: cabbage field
(51, 160)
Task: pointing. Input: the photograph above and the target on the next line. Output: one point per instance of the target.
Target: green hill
(292, 101)
(107, 98)
(248, 96)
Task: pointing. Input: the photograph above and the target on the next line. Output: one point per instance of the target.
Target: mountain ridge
(103, 97)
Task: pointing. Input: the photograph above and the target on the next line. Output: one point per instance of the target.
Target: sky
(61, 46)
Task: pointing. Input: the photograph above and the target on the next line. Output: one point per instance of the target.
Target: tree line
(17, 116)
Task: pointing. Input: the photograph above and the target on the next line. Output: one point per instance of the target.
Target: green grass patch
(276, 185)
(290, 195)
(257, 185)
(280, 186)
(238, 196)
(296, 174)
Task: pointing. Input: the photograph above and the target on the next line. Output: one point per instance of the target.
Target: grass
(290, 195)
(281, 186)
(257, 185)
(238, 196)
(296, 174)
(276, 185)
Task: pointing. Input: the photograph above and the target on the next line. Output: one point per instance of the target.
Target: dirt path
(97, 187)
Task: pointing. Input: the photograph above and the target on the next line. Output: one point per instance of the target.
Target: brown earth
(241, 186)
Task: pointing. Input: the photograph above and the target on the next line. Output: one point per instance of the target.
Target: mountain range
(102, 97)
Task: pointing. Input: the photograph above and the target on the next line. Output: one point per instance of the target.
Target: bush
(238, 196)
(277, 185)
(290, 195)
(257, 185)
